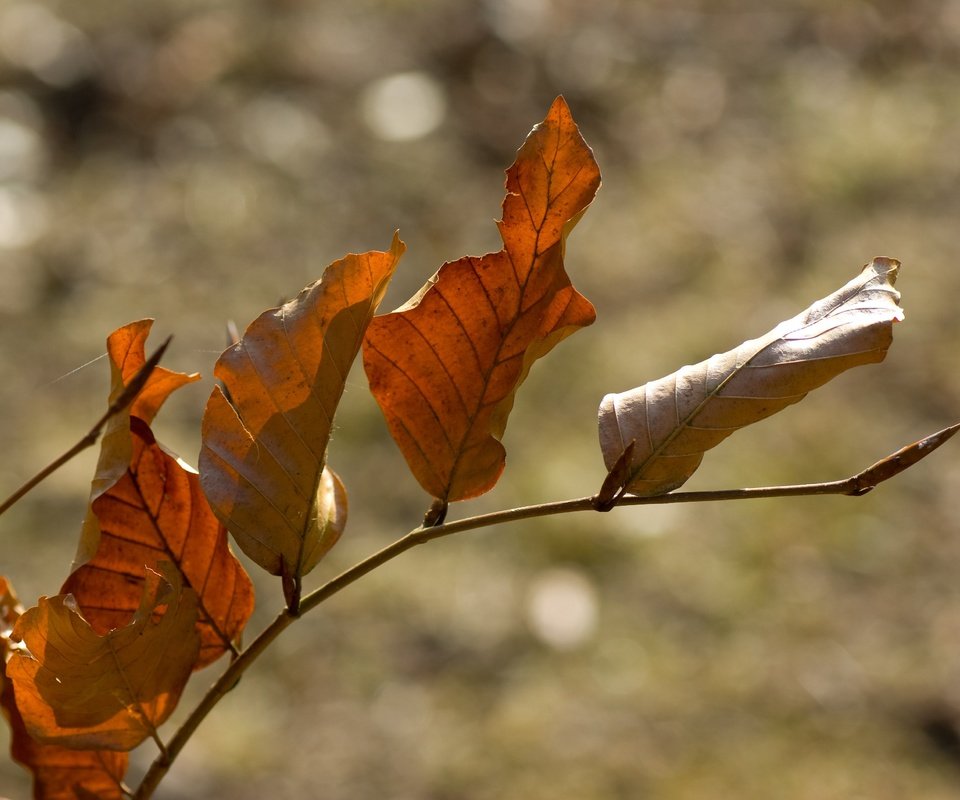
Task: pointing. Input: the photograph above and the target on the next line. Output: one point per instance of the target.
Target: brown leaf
(58, 773)
(674, 420)
(125, 348)
(263, 457)
(157, 512)
(10, 611)
(149, 506)
(78, 689)
(445, 367)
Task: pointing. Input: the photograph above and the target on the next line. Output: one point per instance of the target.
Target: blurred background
(201, 161)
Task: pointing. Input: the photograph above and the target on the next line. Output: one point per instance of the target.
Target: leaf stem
(854, 486)
(124, 399)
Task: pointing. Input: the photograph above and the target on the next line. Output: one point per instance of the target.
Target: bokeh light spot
(23, 217)
(404, 106)
(694, 97)
(562, 608)
(21, 150)
(34, 38)
(283, 132)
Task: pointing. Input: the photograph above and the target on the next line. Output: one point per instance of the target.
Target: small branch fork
(124, 399)
(611, 494)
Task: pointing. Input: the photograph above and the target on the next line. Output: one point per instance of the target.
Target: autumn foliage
(446, 365)
(155, 592)
(674, 420)
(265, 433)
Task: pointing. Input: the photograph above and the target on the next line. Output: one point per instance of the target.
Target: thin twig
(214, 694)
(124, 399)
(855, 486)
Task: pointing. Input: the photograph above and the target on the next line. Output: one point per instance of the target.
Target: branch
(855, 486)
(124, 399)
(215, 693)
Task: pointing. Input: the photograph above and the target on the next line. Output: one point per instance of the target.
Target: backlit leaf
(10, 611)
(675, 419)
(59, 773)
(157, 512)
(125, 348)
(445, 367)
(263, 457)
(78, 689)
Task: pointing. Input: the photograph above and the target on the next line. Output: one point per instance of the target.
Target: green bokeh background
(200, 161)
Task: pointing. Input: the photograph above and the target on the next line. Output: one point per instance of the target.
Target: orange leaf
(59, 773)
(445, 366)
(10, 611)
(125, 347)
(263, 457)
(76, 688)
(157, 512)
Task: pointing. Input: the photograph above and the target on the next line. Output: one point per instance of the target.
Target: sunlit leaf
(10, 609)
(445, 367)
(157, 512)
(674, 420)
(74, 687)
(59, 773)
(263, 457)
(125, 348)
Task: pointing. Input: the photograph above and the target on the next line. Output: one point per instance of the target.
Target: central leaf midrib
(474, 416)
(178, 560)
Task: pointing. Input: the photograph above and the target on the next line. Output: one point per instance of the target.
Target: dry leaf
(58, 773)
(445, 367)
(10, 611)
(157, 512)
(150, 508)
(61, 773)
(125, 348)
(263, 458)
(674, 420)
(82, 690)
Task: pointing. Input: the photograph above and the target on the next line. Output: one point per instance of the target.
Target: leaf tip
(886, 269)
(884, 265)
(560, 104)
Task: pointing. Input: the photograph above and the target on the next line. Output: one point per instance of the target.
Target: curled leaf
(675, 419)
(126, 351)
(10, 611)
(157, 512)
(263, 457)
(445, 367)
(61, 773)
(78, 689)
(58, 773)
